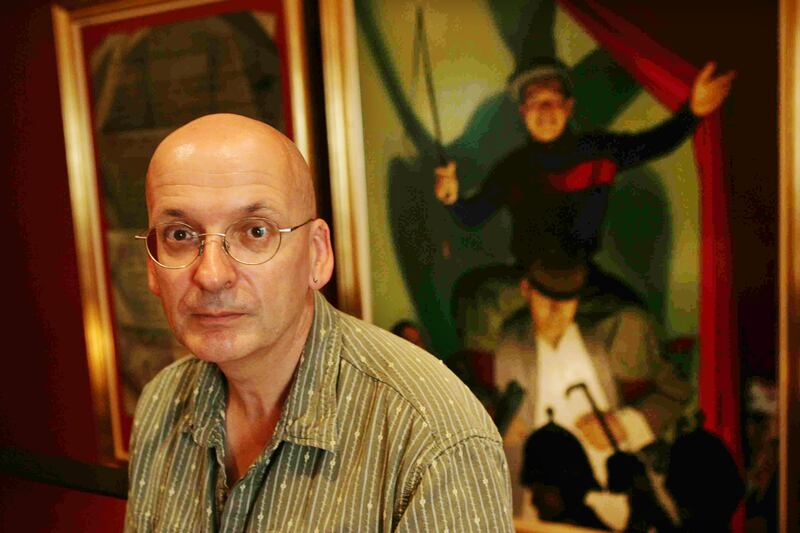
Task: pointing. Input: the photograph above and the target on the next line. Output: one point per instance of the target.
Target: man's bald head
(216, 187)
(227, 143)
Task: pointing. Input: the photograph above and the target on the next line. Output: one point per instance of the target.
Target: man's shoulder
(177, 372)
(420, 380)
(392, 360)
(172, 387)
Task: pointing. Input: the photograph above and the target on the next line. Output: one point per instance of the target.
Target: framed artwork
(392, 121)
(789, 280)
(423, 255)
(129, 73)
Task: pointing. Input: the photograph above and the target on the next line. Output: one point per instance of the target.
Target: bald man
(289, 415)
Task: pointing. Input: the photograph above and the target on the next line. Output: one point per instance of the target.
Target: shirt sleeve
(632, 149)
(466, 488)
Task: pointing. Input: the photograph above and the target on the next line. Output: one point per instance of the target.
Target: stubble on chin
(213, 346)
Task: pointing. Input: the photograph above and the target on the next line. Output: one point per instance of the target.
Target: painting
(129, 75)
(426, 96)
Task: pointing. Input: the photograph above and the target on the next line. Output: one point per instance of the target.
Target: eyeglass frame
(225, 246)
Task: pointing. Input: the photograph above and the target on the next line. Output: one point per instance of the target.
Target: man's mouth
(216, 317)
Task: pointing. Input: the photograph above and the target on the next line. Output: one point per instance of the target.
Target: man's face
(551, 317)
(545, 110)
(210, 177)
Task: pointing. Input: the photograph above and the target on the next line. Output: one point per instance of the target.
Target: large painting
(141, 73)
(651, 235)
(429, 97)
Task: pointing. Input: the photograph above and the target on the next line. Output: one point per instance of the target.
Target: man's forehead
(205, 156)
(217, 204)
(171, 182)
(212, 156)
(204, 177)
(225, 152)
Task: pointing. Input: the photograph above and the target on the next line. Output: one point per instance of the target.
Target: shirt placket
(237, 504)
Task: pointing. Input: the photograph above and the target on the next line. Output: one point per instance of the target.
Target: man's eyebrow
(258, 207)
(175, 213)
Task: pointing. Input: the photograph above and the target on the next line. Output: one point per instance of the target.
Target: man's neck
(257, 382)
(258, 387)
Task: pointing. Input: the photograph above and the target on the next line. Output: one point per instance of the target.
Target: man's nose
(215, 270)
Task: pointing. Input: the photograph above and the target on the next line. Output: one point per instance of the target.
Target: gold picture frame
(78, 115)
(789, 269)
(346, 154)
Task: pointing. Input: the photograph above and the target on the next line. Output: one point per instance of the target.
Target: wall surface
(46, 405)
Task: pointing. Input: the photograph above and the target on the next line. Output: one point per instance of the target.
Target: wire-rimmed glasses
(250, 241)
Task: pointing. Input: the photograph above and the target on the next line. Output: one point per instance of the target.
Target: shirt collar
(309, 415)
(206, 406)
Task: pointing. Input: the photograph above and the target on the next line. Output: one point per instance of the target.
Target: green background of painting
(651, 235)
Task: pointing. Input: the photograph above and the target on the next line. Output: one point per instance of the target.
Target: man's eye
(257, 232)
(180, 234)
(177, 234)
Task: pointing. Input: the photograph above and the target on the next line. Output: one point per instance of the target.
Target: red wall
(46, 406)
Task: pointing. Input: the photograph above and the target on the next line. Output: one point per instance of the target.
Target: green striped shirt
(375, 435)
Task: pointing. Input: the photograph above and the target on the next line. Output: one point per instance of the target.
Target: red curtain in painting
(668, 78)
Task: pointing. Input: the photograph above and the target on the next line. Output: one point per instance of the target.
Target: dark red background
(46, 405)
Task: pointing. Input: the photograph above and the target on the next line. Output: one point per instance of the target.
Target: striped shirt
(375, 435)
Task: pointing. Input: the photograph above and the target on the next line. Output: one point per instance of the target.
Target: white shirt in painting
(557, 369)
(560, 367)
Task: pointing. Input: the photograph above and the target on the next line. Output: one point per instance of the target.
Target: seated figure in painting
(547, 349)
(557, 185)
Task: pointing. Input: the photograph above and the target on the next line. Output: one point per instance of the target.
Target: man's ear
(321, 254)
(152, 280)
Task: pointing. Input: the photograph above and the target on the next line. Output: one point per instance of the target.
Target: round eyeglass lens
(253, 240)
(173, 244)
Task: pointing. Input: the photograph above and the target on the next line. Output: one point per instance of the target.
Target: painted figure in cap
(556, 187)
